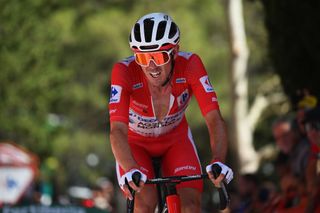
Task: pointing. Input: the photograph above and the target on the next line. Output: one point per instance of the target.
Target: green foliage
(31, 80)
(73, 151)
(53, 78)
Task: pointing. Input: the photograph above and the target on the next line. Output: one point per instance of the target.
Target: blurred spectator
(293, 198)
(247, 193)
(312, 127)
(267, 198)
(294, 149)
(103, 196)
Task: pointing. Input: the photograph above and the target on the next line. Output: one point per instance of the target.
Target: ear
(175, 51)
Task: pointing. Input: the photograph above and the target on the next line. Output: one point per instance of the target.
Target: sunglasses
(312, 126)
(159, 58)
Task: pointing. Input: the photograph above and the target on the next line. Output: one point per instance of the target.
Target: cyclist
(150, 92)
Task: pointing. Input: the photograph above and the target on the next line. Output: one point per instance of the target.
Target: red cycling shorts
(178, 157)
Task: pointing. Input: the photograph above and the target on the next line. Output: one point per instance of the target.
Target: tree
(53, 81)
(243, 117)
(241, 136)
(293, 29)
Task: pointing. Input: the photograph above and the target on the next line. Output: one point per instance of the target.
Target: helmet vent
(161, 29)
(148, 27)
(149, 47)
(173, 30)
(137, 36)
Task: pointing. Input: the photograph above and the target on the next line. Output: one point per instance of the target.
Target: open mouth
(155, 74)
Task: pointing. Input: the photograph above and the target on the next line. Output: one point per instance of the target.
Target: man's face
(285, 138)
(155, 72)
(157, 75)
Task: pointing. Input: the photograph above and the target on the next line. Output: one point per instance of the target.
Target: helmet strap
(170, 74)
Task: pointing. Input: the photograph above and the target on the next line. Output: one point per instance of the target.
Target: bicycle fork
(172, 199)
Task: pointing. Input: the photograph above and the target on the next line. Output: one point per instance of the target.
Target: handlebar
(176, 179)
(216, 170)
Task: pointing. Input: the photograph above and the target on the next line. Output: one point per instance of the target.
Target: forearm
(121, 149)
(218, 142)
(218, 136)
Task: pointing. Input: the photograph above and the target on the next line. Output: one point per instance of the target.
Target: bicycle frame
(172, 199)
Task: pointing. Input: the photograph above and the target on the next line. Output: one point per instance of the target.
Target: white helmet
(153, 32)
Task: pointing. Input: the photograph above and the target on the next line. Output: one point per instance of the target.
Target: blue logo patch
(183, 98)
(180, 80)
(115, 94)
(206, 84)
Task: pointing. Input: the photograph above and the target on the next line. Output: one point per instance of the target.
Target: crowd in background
(297, 166)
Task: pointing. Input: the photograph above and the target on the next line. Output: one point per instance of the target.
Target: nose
(152, 64)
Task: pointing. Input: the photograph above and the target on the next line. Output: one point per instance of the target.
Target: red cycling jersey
(131, 102)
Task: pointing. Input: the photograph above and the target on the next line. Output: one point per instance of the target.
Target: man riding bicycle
(150, 92)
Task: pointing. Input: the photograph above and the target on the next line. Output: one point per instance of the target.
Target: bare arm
(122, 152)
(218, 135)
(219, 145)
(120, 147)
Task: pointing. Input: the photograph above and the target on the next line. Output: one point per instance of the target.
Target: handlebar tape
(130, 203)
(223, 193)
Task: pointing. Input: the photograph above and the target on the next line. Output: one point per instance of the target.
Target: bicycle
(169, 201)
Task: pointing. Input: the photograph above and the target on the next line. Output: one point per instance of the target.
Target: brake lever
(223, 192)
(130, 203)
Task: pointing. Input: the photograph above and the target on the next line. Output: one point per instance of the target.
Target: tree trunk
(241, 132)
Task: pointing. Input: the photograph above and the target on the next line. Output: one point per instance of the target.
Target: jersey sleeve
(201, 86)
(119, 94)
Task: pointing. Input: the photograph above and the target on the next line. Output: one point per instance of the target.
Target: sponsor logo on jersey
(115, 94)
(183, 98)
(131, 121)
(181, 80)
(187, 167)
(150, 126)
(112, 111)
(137, 86)
(139, 106)
(206, 84)
(214, 99)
